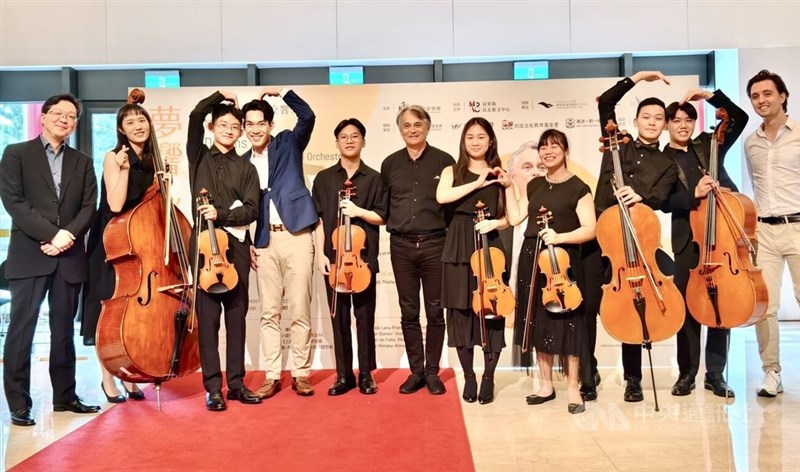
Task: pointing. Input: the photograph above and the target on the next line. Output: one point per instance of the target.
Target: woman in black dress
(472, 178)
(127, 173)
(570, 201)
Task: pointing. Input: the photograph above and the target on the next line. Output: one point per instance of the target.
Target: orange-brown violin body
(349, 273)
(215, 274)
(492, 298)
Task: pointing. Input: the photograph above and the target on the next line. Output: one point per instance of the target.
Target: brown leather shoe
(269, 388)
(302, 387)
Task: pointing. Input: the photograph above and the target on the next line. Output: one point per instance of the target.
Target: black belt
(779, 220)
(419, 237)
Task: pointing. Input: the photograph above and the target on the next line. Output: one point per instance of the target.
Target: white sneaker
(771, 385)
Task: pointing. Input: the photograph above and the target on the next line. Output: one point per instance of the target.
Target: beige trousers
(285, 268)
(778, 245)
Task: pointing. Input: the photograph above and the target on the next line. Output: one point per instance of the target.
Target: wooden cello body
(640, 305)
(147, 330)
(726, 289)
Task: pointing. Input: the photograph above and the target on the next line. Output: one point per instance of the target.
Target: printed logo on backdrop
(436, 126)
(545, 104)
(456, 126)
(487, 107)
(508, 124)
(525, 105)
(529, 125)
(387, 127)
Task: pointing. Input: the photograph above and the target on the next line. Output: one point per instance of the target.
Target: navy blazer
(286, 186)
(38, 213)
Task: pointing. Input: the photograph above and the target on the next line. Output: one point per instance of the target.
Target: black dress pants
(416, 263)
(363, 305)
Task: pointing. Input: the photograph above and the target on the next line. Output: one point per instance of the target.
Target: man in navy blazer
(50, 191)
(283, 251)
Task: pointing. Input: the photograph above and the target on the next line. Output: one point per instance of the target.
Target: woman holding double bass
(556, 324)
(460, 188)
(128, 172)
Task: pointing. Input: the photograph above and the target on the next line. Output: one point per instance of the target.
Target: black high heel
(470, 388)
(487, 390)
(116, 399)
(137, 394)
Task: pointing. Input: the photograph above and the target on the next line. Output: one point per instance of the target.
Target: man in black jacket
(50, 191)
(689, 155)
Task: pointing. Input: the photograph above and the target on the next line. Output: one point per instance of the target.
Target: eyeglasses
(260, 125)
(68, 116)
(416, 125)
(350, 137)
(225, 127)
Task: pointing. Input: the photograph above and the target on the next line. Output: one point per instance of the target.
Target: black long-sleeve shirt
(227, 176)
(412, 190)
(648, 171)
(370, 195)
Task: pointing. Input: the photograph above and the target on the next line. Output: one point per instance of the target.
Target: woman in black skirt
(461, 186)
(570, 201)
(128, 172)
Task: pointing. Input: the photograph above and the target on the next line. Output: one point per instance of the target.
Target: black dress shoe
(22, 417)
(470, 394)
(341, 386)
(244, 395)
(435, 385)
(589, 394)
(115, 399)
(537, 400)
(633, 392)
(215, 402)
(76, 406)
(137, 394)
(487, 390)
(366, 384)
(683, 386)
(717, 384)
(413, 383)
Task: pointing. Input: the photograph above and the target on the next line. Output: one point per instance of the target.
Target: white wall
(106, 32)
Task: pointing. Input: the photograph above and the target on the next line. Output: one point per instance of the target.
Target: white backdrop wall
(519, 111)
(110, 32)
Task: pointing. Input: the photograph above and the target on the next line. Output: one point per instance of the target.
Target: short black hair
(262, 106)
(780, 86)
(65, 97)
(223, 109)
(350, 121)
(686, 107)
(649, 101)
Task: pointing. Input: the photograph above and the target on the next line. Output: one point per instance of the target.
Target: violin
(725, 289)
(492, 298)
(349, 273)
(215, 274)
(561, 294)
(640, 305)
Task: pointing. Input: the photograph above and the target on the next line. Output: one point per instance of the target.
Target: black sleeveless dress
(100, 284)
(560, 334)
(458, 282)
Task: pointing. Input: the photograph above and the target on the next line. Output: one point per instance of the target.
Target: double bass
(147, 329)
(725, 289)
(349, 273)
(640, 305)
(561, 294)
(492, 298)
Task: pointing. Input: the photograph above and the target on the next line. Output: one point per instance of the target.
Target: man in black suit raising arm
(50, 191)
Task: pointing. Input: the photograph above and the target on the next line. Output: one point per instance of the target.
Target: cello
(349, 273)
(214, 273)
(725, 289)
(640, 305)
(146, 331)
(561, 294)
(492, 298)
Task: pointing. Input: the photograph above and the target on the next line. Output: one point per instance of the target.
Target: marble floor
(693, 433)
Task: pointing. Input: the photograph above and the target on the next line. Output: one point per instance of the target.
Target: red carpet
(354, 432)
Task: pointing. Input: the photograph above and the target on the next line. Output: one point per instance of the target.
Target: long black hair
(492, 157)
